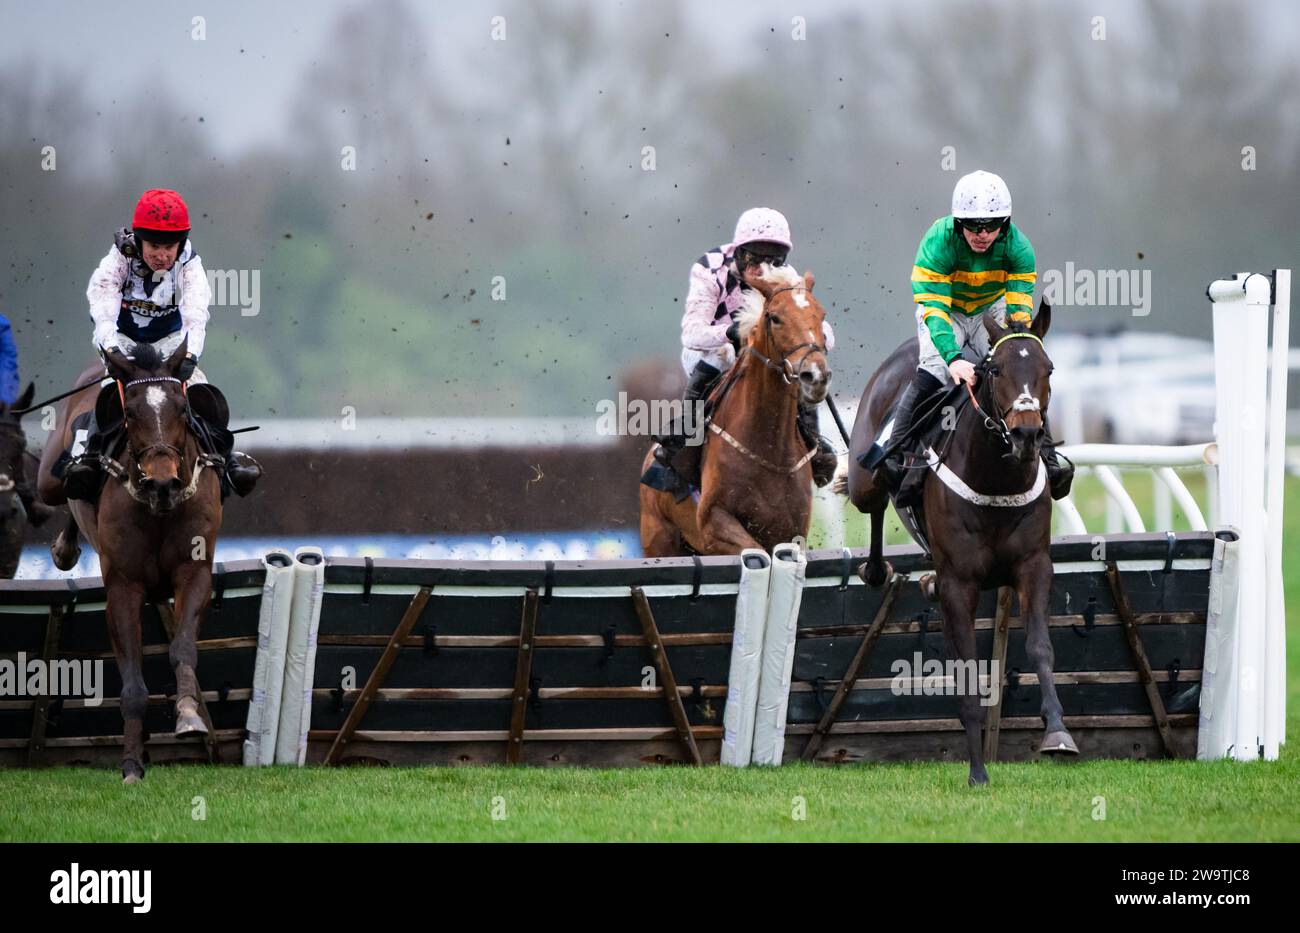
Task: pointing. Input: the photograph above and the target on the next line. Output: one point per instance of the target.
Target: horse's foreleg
(124, 602)
(958, 599)
(65, 551)
(1034, 587)
(659, 538)
(875, 571)
(724, 534)
(193, 589)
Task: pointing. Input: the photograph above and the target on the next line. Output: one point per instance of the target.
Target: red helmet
(161, 217)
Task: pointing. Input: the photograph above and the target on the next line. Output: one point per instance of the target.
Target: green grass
(1041, 801)
(1166, 801)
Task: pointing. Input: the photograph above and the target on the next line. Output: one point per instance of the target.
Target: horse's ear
(25, 400)
(174, 361)
(995, 330)
(808, 279)
(1042, 320)
(119, 367)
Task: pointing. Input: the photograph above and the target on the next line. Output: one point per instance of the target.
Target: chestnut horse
(154, 527)
(996, 530)
(755, 477)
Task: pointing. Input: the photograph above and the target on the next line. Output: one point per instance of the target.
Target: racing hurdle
(1167, 644)
(619, 663)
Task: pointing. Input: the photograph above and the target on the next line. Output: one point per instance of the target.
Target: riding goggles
(749, 257)
(983, 226)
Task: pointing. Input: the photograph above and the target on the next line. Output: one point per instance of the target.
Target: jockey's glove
(188, 365)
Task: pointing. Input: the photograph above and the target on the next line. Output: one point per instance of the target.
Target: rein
(935, 459)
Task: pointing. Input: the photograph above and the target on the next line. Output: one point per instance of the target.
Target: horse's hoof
(864, 574)
(1058, 743)
(132, 772)
(929, 585)
(190, 726)
(978, 780)
(132, 778)
(188, 721)
(62, 557)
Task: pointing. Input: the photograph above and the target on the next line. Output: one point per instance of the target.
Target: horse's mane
(752, 309)
(147, 357)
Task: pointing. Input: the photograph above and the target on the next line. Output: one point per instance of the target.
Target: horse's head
(13, 445)
(1019, 372)
(786, 331)
(154, 406)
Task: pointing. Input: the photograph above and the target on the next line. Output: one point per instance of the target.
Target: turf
(1095, 801)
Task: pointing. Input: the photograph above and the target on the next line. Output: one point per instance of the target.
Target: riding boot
(240, 472)
(1060, 471)
(825, 461)
(891, 469)
(673, 451)
(84, 475)
(243, 472)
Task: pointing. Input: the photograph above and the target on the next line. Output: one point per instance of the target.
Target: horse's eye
(776, 321)
(994, 371)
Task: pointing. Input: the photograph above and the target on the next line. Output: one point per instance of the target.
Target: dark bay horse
(154, 527)
(13, 453)
(755, 478)
(987, 513)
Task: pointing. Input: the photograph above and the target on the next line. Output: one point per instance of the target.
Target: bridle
(783, 366)
(785, 369)
(127, 474)
(997, 425)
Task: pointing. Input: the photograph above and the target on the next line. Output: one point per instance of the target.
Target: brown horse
(755, 478)
(986, 512)
(154, 527)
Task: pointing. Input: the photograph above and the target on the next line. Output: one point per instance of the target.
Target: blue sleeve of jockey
(8, 363)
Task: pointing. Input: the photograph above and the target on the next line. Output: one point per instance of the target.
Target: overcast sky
(242, 77)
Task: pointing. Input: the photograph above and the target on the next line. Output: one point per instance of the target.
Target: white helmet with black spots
(762, 224)
(980, 196)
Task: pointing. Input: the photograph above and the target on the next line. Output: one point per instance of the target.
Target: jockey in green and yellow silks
(972, 261)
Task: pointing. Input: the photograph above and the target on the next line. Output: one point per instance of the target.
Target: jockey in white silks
(720, 285)
(151, 289)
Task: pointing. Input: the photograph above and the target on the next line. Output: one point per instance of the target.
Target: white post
(1275, 635)
(1240, 309)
